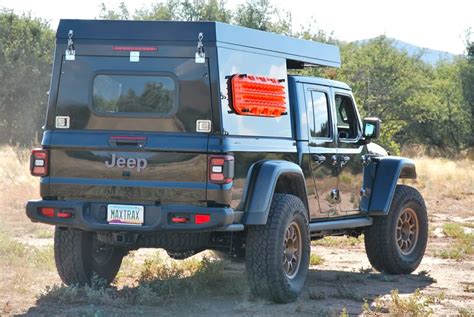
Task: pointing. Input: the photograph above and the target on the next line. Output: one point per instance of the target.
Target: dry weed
(452, 179)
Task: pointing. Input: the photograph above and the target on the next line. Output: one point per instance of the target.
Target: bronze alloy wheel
(292, 250)
(407, 231)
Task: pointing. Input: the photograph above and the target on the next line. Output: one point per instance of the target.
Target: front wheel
(79, 255)
(396, 243)
(277, 254)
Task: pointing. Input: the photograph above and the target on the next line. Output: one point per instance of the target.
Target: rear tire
(277, 254)
(79, 255)
(396, 243)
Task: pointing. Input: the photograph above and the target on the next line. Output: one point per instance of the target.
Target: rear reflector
(200, 219)
(257, 96)
(179, 219)
(64, 214)
(47, 212)
(39, 162)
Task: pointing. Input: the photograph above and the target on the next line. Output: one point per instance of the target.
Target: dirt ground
(343, 281)
(339, 286)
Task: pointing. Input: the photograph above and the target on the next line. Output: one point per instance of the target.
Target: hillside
(429, 56)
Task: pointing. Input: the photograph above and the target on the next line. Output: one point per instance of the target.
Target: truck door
(349, 152)
(322, 148)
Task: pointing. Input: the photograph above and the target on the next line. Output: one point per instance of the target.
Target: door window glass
(347, 123)
(319, 126)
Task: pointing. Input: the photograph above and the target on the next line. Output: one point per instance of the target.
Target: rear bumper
(92, 216)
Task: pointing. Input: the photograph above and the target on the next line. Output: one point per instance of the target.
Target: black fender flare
(261, 184)
(388, 170)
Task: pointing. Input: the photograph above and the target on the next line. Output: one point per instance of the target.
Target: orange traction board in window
(257, 96)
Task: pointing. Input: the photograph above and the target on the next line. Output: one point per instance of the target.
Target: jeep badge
(122, 162)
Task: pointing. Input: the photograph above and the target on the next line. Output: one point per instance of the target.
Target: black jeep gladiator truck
(189, 136)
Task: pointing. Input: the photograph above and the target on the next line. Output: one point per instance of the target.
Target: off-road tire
(75, 261)
(264, 251)
(381, 238)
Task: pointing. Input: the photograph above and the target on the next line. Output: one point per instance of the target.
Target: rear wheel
(396, 243)
(79, 255)
(277, 254)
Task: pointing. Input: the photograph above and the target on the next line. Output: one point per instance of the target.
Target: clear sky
(433, 24)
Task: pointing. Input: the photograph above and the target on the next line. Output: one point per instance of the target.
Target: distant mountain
(429, 55)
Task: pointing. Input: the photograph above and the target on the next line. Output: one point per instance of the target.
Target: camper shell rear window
(135, 94)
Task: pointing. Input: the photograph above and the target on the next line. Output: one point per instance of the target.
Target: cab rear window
(116, 94)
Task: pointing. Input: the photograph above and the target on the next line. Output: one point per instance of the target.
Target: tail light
(199, 219)
(221, 169)
(39, 162)
(47, 212)
(51, 212)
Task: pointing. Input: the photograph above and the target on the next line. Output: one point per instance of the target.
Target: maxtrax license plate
(125, 214)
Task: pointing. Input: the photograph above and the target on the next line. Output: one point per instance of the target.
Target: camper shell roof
(297, 52)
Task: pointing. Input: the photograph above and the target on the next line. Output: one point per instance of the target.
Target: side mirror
(371, 128)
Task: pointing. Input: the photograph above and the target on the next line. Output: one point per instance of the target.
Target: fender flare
(262, 179)
(388, 170)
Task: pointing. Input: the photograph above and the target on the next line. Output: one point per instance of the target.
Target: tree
(173, 10)
(109, 14)
(26, 52)
(467, 77)
(261, 15)
(202, 10)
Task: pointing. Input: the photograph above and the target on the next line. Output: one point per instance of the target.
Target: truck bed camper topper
(297, 52)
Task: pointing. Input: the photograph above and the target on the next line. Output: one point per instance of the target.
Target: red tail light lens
(39, 162)
(200, 219)
(47, 212)
(221, 169)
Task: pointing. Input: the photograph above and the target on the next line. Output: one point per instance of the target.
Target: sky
(439, 25)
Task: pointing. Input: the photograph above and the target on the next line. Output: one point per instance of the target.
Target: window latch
(70, 51)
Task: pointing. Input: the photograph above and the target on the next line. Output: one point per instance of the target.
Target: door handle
(127, 141)
(335, 196)
(319, 159)
(344, 159)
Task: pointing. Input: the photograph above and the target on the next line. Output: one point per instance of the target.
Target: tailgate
(127, 131)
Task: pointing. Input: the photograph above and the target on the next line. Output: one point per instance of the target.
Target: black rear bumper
(92, 216)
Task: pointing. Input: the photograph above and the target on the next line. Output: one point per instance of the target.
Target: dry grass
(158, 280)
(463, 245)
(446, 178)
(315, 259)
(415, 304)
(16, 187)
(343, 241)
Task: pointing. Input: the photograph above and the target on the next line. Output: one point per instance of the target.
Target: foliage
(467, 78)
(416, 304)
(158, 281)
(463, 246)
(26, 51)
(315, 259)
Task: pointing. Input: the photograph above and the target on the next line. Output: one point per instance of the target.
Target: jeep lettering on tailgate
(122, 162)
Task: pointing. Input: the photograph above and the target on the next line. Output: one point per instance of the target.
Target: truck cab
(189, 136)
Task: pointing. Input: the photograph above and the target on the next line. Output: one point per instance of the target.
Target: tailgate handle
(138, 141)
